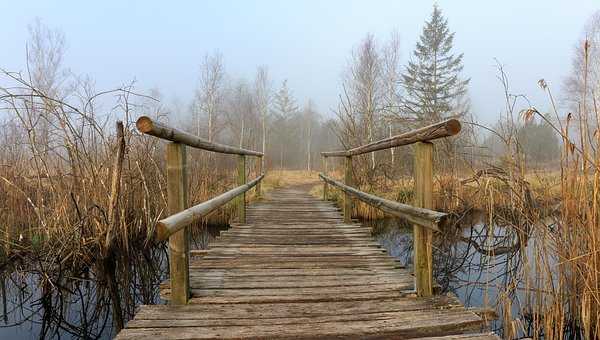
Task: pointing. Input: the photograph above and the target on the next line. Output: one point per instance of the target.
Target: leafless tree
(364, 85)
(262, 93)
(209, 96)
(391, 77)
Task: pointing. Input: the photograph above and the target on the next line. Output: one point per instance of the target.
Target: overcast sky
(160, 43)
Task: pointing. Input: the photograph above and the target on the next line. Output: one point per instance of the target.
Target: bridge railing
(425, 221)
(174, 227)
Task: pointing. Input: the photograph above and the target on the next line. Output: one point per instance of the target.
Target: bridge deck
(297, 271)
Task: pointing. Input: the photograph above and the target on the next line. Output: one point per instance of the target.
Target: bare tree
(209, 96)
(364, 86)
(285, 108)
(240, 111)
(262, 93)
(582, 86)
(390, 60)
(309, 117)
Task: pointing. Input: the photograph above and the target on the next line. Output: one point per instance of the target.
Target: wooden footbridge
(295, 267)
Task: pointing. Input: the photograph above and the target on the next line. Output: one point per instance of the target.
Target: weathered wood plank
(414, 325)
(288, 310)
(295, 270)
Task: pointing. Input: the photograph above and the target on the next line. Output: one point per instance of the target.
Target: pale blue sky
(161, 43)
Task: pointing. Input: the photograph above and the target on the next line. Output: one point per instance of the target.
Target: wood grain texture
(423, 237)
(241, 180)
(348, 181)
(179, 220)
(415, 214)
(151, 127)
(178, 241)
(428, 133)
(295, 270)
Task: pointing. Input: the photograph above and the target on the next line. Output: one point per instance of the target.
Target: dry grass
(285, 178)
(71, 207)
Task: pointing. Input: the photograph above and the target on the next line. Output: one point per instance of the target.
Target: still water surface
(475, 279)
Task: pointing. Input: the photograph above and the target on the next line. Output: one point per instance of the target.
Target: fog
(161, 45)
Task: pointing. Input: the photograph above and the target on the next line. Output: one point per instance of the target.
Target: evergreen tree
(285, 104)
(284, 110)
(539, 142)
(432, 82)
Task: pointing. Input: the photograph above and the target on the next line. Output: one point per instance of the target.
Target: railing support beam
(259, 166)
(423, 237)
(325, 185)
(241, 180)
(349, 181)
(179, 241)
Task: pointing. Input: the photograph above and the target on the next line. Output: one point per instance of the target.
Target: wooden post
(325, 185)
(423, 237)
(347, 198)
(178, 242)
(259, 167)
(241, 180)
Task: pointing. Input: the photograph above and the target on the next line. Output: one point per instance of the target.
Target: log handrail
(171, 224)
(151, 127)
(424, 220)
(421, 216)
(174, 227)
(431, 132)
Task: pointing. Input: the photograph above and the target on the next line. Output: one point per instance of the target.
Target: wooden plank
(301, 271)
(480, 336)
(285, 274)
(290, 265)
(357, 296)
(416, 324)
(169, 322)
(214, 282)
(288, 310)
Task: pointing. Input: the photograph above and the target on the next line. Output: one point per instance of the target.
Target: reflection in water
(36, 305)
(478, 279)
(43, 302)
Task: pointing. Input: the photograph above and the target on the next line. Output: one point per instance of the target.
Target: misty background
(161, 45)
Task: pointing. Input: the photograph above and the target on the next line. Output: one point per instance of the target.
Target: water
(50, 304)
(478, 279)
(75, 307)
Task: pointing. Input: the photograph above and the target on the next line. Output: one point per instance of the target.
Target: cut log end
(453, 126)
(144, 124)
(162, 232)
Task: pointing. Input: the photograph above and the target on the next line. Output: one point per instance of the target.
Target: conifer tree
(432, 82)
(284, 110)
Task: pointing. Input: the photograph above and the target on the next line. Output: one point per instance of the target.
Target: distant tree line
(256, 115)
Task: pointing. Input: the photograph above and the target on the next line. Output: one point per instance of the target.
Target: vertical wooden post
(241, 180)
(347, 198)
(178, 242)
(422, 236)
(259, 166)
(325, 185)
